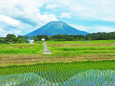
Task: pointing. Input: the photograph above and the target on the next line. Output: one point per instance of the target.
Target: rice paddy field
(20, 49)
(100, 73)
(72, 63)
(83, 50)
(11, 54)
(62, 51)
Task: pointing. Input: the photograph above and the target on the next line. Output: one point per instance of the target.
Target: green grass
(80, 48)
(20, 53)
(21, 49)
(62, 51)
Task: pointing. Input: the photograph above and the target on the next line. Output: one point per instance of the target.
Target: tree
(101, 36)
(10, 38)
(2, 39)
(21, 39)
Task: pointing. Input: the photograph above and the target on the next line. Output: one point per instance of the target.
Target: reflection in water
(83, 78)
(93, 78)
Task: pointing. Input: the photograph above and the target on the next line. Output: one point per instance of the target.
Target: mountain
(55, 28)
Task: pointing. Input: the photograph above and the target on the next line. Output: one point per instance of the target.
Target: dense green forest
(11, 38)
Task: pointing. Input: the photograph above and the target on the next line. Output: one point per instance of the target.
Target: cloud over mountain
(25, 15)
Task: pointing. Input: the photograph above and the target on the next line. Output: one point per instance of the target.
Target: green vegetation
(59, 73)
(80, 65)
(11, 38)
(99, 49)
(39, 37)
(20, 53)
(93, 36)
(21, 49)
(101, 36)
(25, 64)
(54, 69)
(62, 51)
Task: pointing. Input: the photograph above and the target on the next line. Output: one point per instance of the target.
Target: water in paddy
(48, 78)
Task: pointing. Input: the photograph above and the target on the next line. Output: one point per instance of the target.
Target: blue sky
(20, 17)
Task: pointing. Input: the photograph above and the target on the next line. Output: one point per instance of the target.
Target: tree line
(93, 36)
(11, 38)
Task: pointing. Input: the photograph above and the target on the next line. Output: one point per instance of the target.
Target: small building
(9, 42)
(31, 41)
(42, 39)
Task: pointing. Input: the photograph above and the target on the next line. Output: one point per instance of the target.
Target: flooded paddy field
(100, 73)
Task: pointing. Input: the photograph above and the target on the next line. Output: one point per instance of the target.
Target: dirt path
(46, 51)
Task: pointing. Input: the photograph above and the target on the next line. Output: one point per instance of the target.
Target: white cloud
(93, 9)
(4, 32)
(90, 9)
(47, 18)
(11, 10)
(93, 29)
(9, 20)
(51, 6)
(65, 15)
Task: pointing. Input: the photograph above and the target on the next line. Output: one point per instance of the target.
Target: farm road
(46, 51)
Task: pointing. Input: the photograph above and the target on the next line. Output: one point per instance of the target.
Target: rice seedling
(60, 74)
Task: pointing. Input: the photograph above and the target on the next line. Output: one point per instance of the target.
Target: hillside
(55, 28)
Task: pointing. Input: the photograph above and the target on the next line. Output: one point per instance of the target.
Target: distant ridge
(55, 28)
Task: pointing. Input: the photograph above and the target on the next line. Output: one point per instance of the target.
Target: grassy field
(83, 50)
(15, 49)
(20, 53)
(62, 51)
